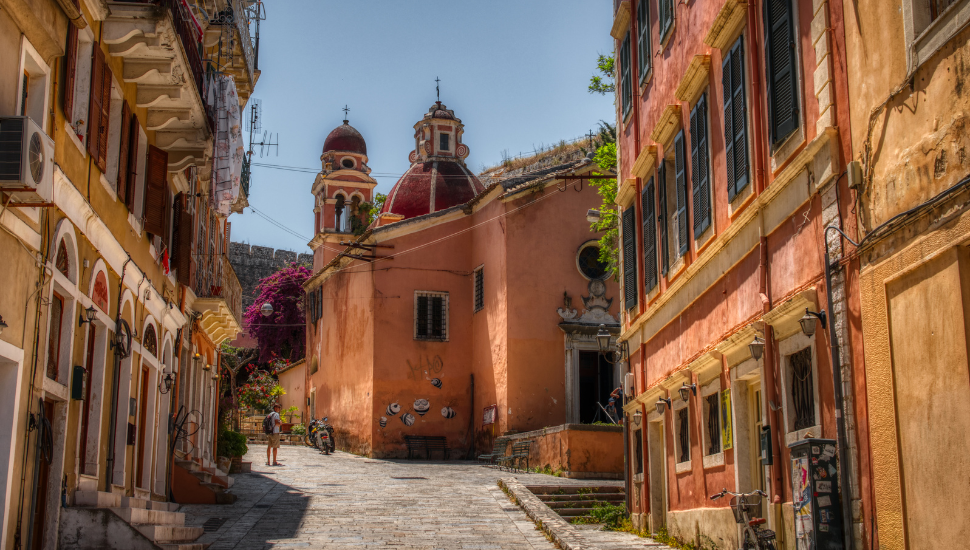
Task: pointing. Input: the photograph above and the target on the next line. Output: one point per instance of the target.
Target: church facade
(465, 310)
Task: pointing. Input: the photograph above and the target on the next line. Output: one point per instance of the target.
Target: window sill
(783, 152)
(706, 238)
(135, 224)
(440, 340)
(76, 141)
(713, 461)
(795, 437)
(109, 188)
(740, 201)
(638, 478)
(647, 77)
(682, 467)
(665, 40)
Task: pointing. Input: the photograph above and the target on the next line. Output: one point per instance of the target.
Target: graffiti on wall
(425, 368)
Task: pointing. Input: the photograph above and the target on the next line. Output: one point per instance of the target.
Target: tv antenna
(269, 142)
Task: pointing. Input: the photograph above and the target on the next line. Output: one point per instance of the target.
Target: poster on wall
(727, 432)
(802, 502)
(490, 414)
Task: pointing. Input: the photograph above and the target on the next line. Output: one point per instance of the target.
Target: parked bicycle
(756, 537)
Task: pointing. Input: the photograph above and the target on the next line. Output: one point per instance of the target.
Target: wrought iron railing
(244, 178)
(217, 279)
(237, 15)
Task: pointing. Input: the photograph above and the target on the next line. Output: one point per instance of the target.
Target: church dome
(346, 139)
(431, 187)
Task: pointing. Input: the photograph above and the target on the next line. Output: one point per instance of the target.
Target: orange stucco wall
(576, 450)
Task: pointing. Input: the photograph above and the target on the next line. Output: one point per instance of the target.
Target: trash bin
(815, 495)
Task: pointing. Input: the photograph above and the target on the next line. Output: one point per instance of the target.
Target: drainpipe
(845, 483)
(769, 373)
(115, 387)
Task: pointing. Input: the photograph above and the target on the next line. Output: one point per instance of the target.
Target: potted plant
(286, 417)
(233, 445)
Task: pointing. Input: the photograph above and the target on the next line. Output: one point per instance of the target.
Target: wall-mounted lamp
(593, 215)
(89, 315)
(165, 384)
(613, 356)
(757, 347)
(637, 417)
(2, 324)
(660, 404)
(808, 321)
(207, 367)
(686, 390)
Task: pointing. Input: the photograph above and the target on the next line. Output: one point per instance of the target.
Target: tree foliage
(608, 222)
(604, 84)
(282, 333)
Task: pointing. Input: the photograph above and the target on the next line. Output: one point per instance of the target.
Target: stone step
(170, 533)
(573, 489)
(163, 506)
(569, 513)
(202, 475)
(97, 499)
(214, 487)
(577, 504)
(149, 517)
(190, 465)
(135, 502)
(184, 546)
(609, 497)
(226, 498)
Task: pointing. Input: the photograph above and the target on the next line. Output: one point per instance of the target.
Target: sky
(514, 71)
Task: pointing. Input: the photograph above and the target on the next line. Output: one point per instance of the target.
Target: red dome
(347, 139)
(412, 195)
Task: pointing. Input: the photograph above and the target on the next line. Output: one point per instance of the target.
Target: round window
(347, 163)
(589, 262)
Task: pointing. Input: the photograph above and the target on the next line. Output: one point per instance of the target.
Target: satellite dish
(266, 309)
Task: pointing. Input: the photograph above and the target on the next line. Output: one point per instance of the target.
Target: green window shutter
(662, 215)
(700, 167)
(780, 70)
(665, 9)
(649, 237)
(680, 181)
(735, 120)
(626, 84)
(643, 39)
(630, 258)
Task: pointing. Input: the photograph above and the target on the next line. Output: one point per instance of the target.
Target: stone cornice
(621, 20)
(695, 79)
(725, 27)
(667, 126)
(625, 192)
(784, 318)
(645, 162)
(705, 365)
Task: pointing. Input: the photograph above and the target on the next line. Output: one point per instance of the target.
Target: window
(443, 142)
(683, 435)
(32, 85)
(150, 341)
(77, 83)
(99, 109)
(479, 288)
(638, 452)
(626, 86)
(431, 316)
(700, 167)
(937, 7)
(589, 263)
(735, 120)
(680, 182)
(802, 389)
(347, 163)
(662, 216)
(629, 258)
(649, 237)
(780, 70)
(314, 304)
(712, 418)
(158, 200)
(24, 88)
(665, 9)
(54, 337)
(928, 26)
(643, 40)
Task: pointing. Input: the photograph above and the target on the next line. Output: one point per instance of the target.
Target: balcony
(159, 43)
(219, 299)
(230, 42)
(243, 200)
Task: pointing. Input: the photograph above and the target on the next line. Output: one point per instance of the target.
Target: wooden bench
(498, 451)
(428, 443)
(520, 451)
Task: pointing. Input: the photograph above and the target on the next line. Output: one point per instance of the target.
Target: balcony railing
(238, 15)
(244, 178)
(217, 279)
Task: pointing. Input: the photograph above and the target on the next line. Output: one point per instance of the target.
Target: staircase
(572, 501)
(107, 520)
(201, 484)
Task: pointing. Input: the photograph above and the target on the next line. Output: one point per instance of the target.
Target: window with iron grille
(700, 167)
(431, 316)
(643, 39)
(626, 81)
(444, 142)
(479, 288)
(683, 435)
(638, 452)
(712, 409)
(665, 9)
(802, 389)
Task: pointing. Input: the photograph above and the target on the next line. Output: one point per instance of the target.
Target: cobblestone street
(346, 501)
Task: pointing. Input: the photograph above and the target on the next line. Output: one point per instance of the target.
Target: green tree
(603, 84)
(608, 223)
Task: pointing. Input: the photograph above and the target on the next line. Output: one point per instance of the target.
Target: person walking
(272, 425)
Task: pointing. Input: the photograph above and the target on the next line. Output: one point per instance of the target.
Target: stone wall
(253, 263)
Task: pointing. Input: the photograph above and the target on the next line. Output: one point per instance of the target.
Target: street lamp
(266, 310)
(2, 324)
(165, 385)
(89, 315)
(808, 321)
(593, 215)
(686, 390)
(660, 404)
(637, 417)
(757, 347)
(603, 338)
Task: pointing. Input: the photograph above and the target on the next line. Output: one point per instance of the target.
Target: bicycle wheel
(307, 441)
(767, 545)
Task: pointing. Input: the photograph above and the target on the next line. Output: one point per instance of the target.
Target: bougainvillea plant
(282, 333)
(261, 390)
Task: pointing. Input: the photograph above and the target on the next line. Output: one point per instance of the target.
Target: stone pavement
(346, 501)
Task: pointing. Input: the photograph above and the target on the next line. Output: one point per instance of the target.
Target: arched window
(61, 262)
(150, 341)
(340, 211)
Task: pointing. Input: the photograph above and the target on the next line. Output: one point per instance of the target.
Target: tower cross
(437, 88)
(346, 110)
(591, 135)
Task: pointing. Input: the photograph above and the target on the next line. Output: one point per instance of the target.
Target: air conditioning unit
(26, 161)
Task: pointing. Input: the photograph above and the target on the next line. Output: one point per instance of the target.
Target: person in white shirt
(274, 438)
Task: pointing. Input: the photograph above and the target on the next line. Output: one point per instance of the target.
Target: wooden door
(86, 415)
(43, 478)
(142, 424)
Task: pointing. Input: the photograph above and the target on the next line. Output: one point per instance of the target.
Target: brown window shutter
(133, 137)
(184, 257)
(123, 150)
(70, 66)
(104, 118)
(168, 219)
(94, 111)
(156, 190)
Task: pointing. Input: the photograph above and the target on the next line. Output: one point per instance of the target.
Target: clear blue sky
(514, 71)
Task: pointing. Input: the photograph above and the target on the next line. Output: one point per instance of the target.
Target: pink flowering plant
(282, 333)
(261, 390)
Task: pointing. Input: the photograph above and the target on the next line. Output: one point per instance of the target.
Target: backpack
(268, 424)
